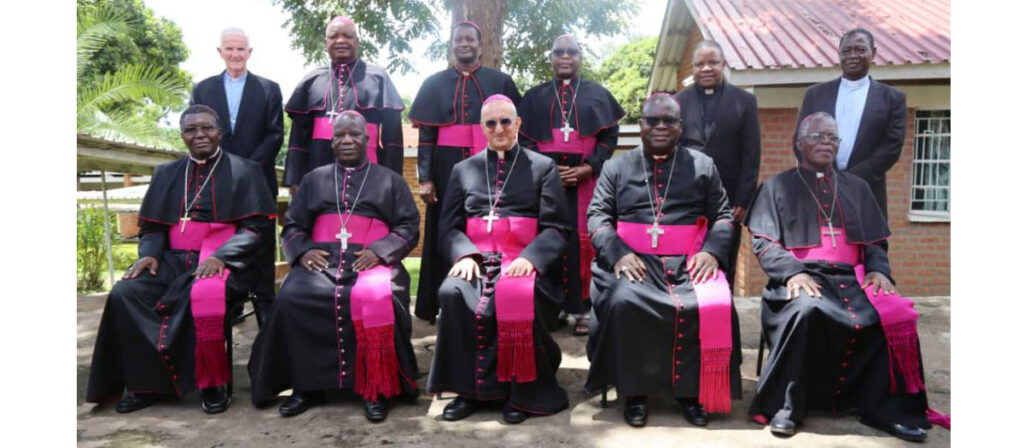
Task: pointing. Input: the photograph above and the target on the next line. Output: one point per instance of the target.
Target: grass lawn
(412, 264)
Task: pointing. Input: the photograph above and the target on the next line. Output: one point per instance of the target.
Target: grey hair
(705, 44)
(805, 124)
(232, 31)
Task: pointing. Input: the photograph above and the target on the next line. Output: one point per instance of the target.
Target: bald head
(499, 122)
(566, 57)
(342, 40)
(662, 102)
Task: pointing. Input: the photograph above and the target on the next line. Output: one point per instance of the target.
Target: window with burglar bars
(929, 196)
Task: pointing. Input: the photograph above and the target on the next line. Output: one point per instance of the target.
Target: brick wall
(919, 252)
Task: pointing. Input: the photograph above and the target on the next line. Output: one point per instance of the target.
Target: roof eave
(789, 76)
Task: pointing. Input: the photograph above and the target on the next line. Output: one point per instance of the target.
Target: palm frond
(124, 126)
(95, 29)
(133, 83)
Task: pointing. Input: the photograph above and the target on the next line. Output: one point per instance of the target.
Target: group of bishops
(529, 220)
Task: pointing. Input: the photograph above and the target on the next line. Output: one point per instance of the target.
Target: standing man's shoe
(131, 402)
(375, 411)
(635, 412)
(897, 430)
(693, 412)
(297, 403)
(781, 426)
(215, 400)
(514, 416)
(459, 409)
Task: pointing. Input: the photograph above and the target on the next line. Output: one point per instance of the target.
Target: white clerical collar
(854, 85)
(203, 162)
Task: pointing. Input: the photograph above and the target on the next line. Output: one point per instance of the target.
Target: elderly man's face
(350, 139)
(500, 124)
(341, 42)
(708, 68)
(465, 45)
(660, 126)
(566, 58)
(201, 134)
(855, 56)
(820, 144)
(235, 52)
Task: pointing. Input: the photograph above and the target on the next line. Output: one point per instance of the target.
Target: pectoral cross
(566, 130)
(343, 235)
(654, 231)
(490, 218)
(832, 234)
(184, 219)
(331, 114)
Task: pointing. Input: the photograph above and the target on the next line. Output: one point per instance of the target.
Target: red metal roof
(760, 34)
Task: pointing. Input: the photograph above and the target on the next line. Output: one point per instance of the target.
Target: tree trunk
(489, 15)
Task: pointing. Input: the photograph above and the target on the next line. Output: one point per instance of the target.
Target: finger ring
(309, 263)
(624, 269)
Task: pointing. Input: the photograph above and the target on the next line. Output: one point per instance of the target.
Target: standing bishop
(348, 83)
(575, 122)
(447, 112)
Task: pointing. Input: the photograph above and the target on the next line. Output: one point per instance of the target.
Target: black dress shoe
(133, 402)
(375, 411)
(781, 426)
(514, 416)
(459, 409)
(635, 412)
(693, 412)
(897, 430)
(297, 403)
(215, 400)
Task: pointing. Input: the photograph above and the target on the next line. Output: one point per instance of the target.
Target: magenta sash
(323, 129)
(714, 305)
(899, 320)
(462, 136)
(208, 300)
(584, 146)
(513, 296)
(371, 306)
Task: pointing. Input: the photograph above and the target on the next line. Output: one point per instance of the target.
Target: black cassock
(359, 86)
(827, 353)
(594, 116)
(309, 341)
(147, 335)
(642, 340)
(447, 112)
(466, 354)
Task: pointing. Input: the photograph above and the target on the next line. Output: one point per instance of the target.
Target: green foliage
(383, 24)
(92, 249)
(530, 26)
(625, 74)
(127, 72)
(279, 160)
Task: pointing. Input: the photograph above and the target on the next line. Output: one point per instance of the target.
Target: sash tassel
(376, 362)
(904, 354)
(515, 351)
(587, 255)
(714, 379)
(211, 353)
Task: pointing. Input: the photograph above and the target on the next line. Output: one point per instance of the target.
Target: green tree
(128, 75)
(626, 72)
(526, 27)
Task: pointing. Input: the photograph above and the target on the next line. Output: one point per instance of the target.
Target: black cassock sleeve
(876, 259)
(390, 152)
(237, 252)
(152, 238)
(404, 222)
(765, 228)
(297, 160)
(751, 153)
(454, 241)
(602, 216)
(298, 223)
(716, 205)
(552, 220)
(607, 139)
(425, 152)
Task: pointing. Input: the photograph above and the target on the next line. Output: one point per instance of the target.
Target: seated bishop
(341, 319)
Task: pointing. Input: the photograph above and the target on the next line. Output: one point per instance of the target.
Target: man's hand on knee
(466, 268)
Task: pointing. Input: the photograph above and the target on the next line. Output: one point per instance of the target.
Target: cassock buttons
(842, 286)
(480, 370)
(680, 335)
(678, 377)
(480, 328)
(679, 348)
(479, 381)
(846, 300)
(481, 358)
(679, 363)
(479, 317)
(853, 340)
(858, 326)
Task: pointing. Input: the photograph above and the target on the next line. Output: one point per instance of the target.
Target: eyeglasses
(559, 52)
(655, 121)
(505, 122)
(712, 64)
(191, 131)
(817, 137)
(859, 51)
